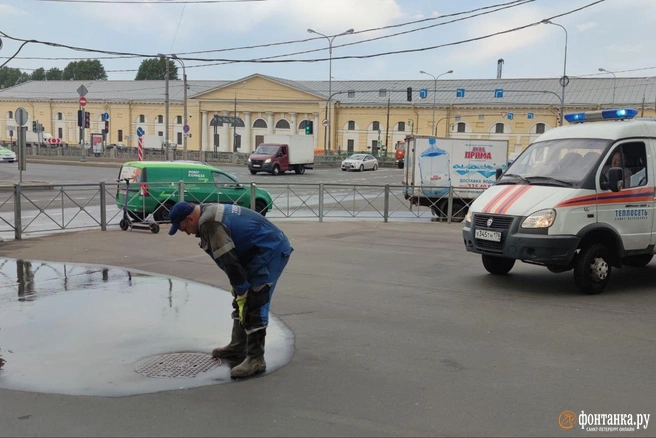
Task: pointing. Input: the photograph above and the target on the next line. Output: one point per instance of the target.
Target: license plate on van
(256, 165)
(494, 236)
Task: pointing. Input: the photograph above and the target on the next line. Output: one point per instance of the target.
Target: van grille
(498, 222)
(487, 246)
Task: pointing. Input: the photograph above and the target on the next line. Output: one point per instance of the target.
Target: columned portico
(204, 126)
(246, 138)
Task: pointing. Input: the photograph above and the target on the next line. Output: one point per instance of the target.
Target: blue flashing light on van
(608, 114)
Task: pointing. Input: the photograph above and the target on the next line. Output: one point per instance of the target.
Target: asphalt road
(398, 331)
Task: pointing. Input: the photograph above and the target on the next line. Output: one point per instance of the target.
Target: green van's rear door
(134, 175)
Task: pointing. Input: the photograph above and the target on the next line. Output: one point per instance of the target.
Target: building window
(302, 125)
(142, 118)
(539, 128)
(382, 92)
(120, 135)
(351, 125)
(282, 124)
(401, 127)
(179, 137)
(60, 116)
(498, 128)
(461, 127)
(60, 132)
(160, 119)
(375, 126)
(160, 133)
(178, 120)
(10, 115)
(350, 144)
(481, 117)
(351, 93)
(260, 123)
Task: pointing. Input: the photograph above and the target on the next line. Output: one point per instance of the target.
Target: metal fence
(34, 209)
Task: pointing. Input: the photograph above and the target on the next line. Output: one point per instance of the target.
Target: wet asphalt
(397, 332)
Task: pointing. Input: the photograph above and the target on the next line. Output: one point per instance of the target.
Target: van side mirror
(499, 172)
(615, 179)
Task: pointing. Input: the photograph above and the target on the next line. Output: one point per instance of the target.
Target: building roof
(542, 91)
(106, 91)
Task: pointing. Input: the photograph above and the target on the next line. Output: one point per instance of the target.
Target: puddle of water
(82, 329)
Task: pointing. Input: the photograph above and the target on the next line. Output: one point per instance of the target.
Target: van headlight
(468, 217)
(540, 219)
(268, 160)
(249, 159)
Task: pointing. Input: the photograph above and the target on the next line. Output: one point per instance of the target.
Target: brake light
(144, 190)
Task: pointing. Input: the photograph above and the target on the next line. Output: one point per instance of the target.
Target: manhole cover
(177, 365)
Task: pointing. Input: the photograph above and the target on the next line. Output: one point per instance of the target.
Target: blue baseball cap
(178, 213)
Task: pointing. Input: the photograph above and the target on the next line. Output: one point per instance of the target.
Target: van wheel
(638, 261)
(253, 172)
(458, 211)
(592, 269)
(300, 169)
(162, 213)
(497, 265)
(276, 170)
(261, 207)
(401, 165)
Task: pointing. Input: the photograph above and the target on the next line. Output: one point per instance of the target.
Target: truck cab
(580, 198)
(272, 158)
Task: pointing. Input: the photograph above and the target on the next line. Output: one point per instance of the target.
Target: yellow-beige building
(364, 115)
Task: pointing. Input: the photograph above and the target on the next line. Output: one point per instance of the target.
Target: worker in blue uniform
(253, 252)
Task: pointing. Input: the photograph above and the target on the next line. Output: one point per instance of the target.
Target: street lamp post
(435, 94)
(330, 80)
(564, 80)
(234, 124)
(166, 117)
(184, 84)
(614, 81)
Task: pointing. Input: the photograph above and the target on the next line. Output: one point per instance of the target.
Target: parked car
(7, 155)
(154, 188)
(360, 162)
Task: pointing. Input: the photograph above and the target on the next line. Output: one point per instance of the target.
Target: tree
(86, 70)
(155, 69)
(12, 76)
(39, 74)
(54, 74)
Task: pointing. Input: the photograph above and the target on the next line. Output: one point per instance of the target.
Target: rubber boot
(236, 350)
(254, 362)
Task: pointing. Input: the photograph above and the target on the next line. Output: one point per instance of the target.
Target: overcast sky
(616, 35)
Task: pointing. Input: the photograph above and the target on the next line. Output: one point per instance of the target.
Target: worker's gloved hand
(243, 309)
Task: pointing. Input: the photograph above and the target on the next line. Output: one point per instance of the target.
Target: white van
(581, 198)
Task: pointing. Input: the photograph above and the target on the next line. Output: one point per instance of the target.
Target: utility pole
(166, 116)
(387, 125)
(184, 84)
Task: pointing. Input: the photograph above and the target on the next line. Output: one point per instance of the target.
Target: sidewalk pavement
(398, 332)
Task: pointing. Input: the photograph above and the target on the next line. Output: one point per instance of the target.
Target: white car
(7, 155)
(360, 162)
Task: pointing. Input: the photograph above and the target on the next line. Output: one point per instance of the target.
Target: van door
(630, 211)
(230, 191)
(283, 159)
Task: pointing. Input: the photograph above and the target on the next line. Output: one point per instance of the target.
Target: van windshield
(132, 173)
(564, 162)
(266, 150)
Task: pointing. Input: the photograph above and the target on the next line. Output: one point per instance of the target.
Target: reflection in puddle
(81, 329)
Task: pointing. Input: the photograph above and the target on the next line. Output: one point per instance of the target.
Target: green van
(154, 188)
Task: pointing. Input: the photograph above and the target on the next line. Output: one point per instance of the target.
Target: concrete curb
(8, 186)
(76, 163)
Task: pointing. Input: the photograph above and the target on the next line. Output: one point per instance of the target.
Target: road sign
(510, 116)
(325, 122)
(105, 117)
(530, 116)
(140, 131)
(83, 101)
(21, 116)
(186, 128)
(460, 92)
(106, 107)
(498, 93)
(564, 81)
(423, 93)
(82, 91)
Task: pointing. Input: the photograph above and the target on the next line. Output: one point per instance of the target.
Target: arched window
(260, 123)
(301, 126)
(142, 118)
(540, 128)
(160, 119)
(401, 127)
(178, 120)
(10, 115)
(351, 125)
(499, 128)
(461, 127)
(282, 124)
(60, 116)
(375, 126)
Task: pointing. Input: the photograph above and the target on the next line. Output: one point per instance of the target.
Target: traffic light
(409, 94)
(34, 126)
(87, 119)
(80, 118)
(106, 126)
(308, 127)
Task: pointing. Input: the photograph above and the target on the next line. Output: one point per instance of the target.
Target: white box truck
(280, 153)
(434, 165)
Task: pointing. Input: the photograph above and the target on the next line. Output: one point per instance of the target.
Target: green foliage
(154, 69)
